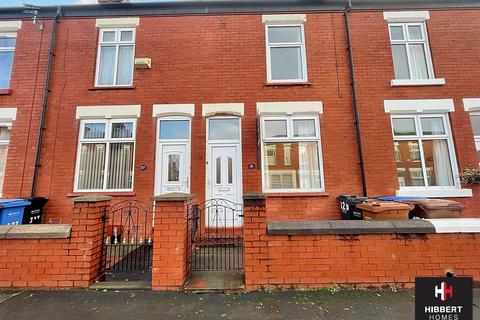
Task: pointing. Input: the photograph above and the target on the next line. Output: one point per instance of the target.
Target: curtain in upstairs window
(125, 65)
(418, 61)
(106, 66)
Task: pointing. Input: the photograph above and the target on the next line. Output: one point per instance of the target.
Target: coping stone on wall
(38, 231)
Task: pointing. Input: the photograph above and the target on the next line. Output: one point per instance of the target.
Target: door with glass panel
(173, 156)
(224, 174)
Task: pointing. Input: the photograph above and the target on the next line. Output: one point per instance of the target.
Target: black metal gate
(215, 240)
(129, 241)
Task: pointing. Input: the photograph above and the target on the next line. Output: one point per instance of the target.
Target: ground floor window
(423, 150)
(105, 155)
(291, 154)
(5, 129)
(475, 119)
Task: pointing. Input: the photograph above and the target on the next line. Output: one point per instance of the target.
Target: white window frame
(291, 139)
(107, 141)
(9, 49)
(117, 43)
(408, 42)
(300, 45)
(420, 138)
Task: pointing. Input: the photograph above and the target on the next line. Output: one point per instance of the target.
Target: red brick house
(225, 98)
(209, 67)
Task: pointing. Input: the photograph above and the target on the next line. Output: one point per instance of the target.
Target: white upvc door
(174, 169)
(225, 183)
(224, 170)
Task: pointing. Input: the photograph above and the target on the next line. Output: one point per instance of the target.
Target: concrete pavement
(115, 305)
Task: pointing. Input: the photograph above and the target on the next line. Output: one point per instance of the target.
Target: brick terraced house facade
(226, 98)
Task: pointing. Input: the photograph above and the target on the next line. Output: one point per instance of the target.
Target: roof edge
(186, 7)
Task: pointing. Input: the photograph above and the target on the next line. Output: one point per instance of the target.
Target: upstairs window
(115, 59)
(286, 57)
(410, 51)
(7, 48)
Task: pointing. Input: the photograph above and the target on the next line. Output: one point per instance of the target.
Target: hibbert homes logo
(443, 298)
(443, 291)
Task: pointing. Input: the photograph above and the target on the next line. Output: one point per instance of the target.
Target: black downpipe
(355, 101)
(43, 112)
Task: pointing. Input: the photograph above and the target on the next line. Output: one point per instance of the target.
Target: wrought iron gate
(129, 240)
(215, 240)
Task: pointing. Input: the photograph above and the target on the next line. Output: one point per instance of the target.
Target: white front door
(225, 183)
(174, 168)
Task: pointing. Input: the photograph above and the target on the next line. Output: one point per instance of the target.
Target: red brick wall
(56, 263)
(26, 84)
(315, 261)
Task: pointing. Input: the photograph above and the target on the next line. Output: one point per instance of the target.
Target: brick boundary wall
(32, 261)
(362, 261)
(169, 265)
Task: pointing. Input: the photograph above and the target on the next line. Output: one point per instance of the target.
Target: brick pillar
(86, 252)
(169, 270)
(254, 238)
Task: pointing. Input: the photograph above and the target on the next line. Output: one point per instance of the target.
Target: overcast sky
(16, 3)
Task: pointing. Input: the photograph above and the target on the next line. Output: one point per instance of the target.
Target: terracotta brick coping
(460, 225)
(35, 231)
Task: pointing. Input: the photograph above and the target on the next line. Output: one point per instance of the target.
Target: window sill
(112, 88)
(106, 193)
(425, 82)
(5, 92)
(278, 84)
(436, 193)
(296, 194)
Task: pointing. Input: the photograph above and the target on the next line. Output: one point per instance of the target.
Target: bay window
(105, 155)
(475, 119)
(423, 151)
(115, 58)
(291, 154)
(5, 129)
(7, 48)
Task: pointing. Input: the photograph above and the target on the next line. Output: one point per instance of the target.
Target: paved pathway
(148, 305)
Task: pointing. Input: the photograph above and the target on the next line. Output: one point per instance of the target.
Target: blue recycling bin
(400, 199)
(11, 210)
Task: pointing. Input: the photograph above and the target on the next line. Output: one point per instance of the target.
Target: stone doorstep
(121, 285)
(215, 281)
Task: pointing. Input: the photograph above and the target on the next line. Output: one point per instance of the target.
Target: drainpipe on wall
(355, 100)
(43, 112)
